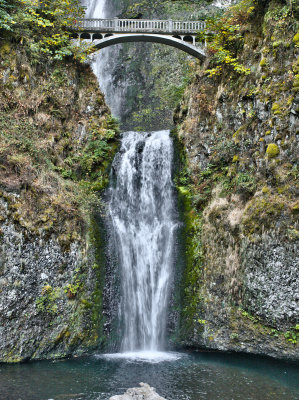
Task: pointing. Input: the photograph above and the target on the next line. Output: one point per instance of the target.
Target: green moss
(263, 63)
(86, 303)
(272, 150)
(293, 234)
(296, 81)
(191, 247)
(283, 189)
(5, 49)
(295, 208)
(46, 303)
(64, 334)
(276, 109)
(265, 190)
(262, 213)
(277, 43)
(95, 304)
(296, 39)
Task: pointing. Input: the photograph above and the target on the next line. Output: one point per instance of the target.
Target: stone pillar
(170, 25)
(116, 24)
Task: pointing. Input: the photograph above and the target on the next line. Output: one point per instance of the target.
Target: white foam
(143, 356)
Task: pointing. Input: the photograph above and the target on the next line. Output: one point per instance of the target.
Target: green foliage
(43, 27)
(247, 315)
(95, 157)
(245, 180)
(46, 302)
(224, 36)
(6, 19)
(292, 335)
(279, 13)
(71, 289)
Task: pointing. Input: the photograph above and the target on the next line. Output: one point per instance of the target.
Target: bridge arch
(96, 36)
(86, 35)
(113, 39)
(189, 39)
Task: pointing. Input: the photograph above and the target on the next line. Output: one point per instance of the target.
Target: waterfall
(142, 213)
(95, 9)
(141, 210)
(104, 60)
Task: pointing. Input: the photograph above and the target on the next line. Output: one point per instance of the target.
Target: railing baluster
(133, 25)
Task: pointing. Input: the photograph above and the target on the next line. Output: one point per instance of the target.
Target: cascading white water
(105, 59)
(95, 8)
(142, 214)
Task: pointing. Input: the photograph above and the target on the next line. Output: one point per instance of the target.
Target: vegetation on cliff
(57, 140)
(241, 178)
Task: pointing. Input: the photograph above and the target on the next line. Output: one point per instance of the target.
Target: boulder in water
(145, 392)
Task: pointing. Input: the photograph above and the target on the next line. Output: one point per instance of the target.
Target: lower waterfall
(143, 219)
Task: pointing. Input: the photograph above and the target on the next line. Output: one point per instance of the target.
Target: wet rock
(145, 392)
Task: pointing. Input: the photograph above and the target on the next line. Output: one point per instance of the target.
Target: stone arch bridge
(106, 32)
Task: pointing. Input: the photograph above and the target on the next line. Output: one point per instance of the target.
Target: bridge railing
(139, 25)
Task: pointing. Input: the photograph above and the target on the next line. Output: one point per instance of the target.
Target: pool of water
(176, 376)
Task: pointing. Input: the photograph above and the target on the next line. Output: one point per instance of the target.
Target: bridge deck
(139, 25)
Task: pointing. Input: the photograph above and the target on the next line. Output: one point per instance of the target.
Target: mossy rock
(262, 213)
(272, 150)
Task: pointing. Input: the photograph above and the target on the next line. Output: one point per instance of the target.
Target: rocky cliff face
(57, 140)
(147, 80)
(239, 188)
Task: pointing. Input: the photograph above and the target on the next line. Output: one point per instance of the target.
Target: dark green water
(195, 376)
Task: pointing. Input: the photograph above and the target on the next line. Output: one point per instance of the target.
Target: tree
(43, 26)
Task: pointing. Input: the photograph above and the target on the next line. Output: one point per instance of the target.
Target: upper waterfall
(95, 8)
(102, 64)
(142, 213)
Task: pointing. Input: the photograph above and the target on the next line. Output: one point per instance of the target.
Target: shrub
(223, 35)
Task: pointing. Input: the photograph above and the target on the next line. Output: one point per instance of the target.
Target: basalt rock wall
(238, 188)
(57, 140)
